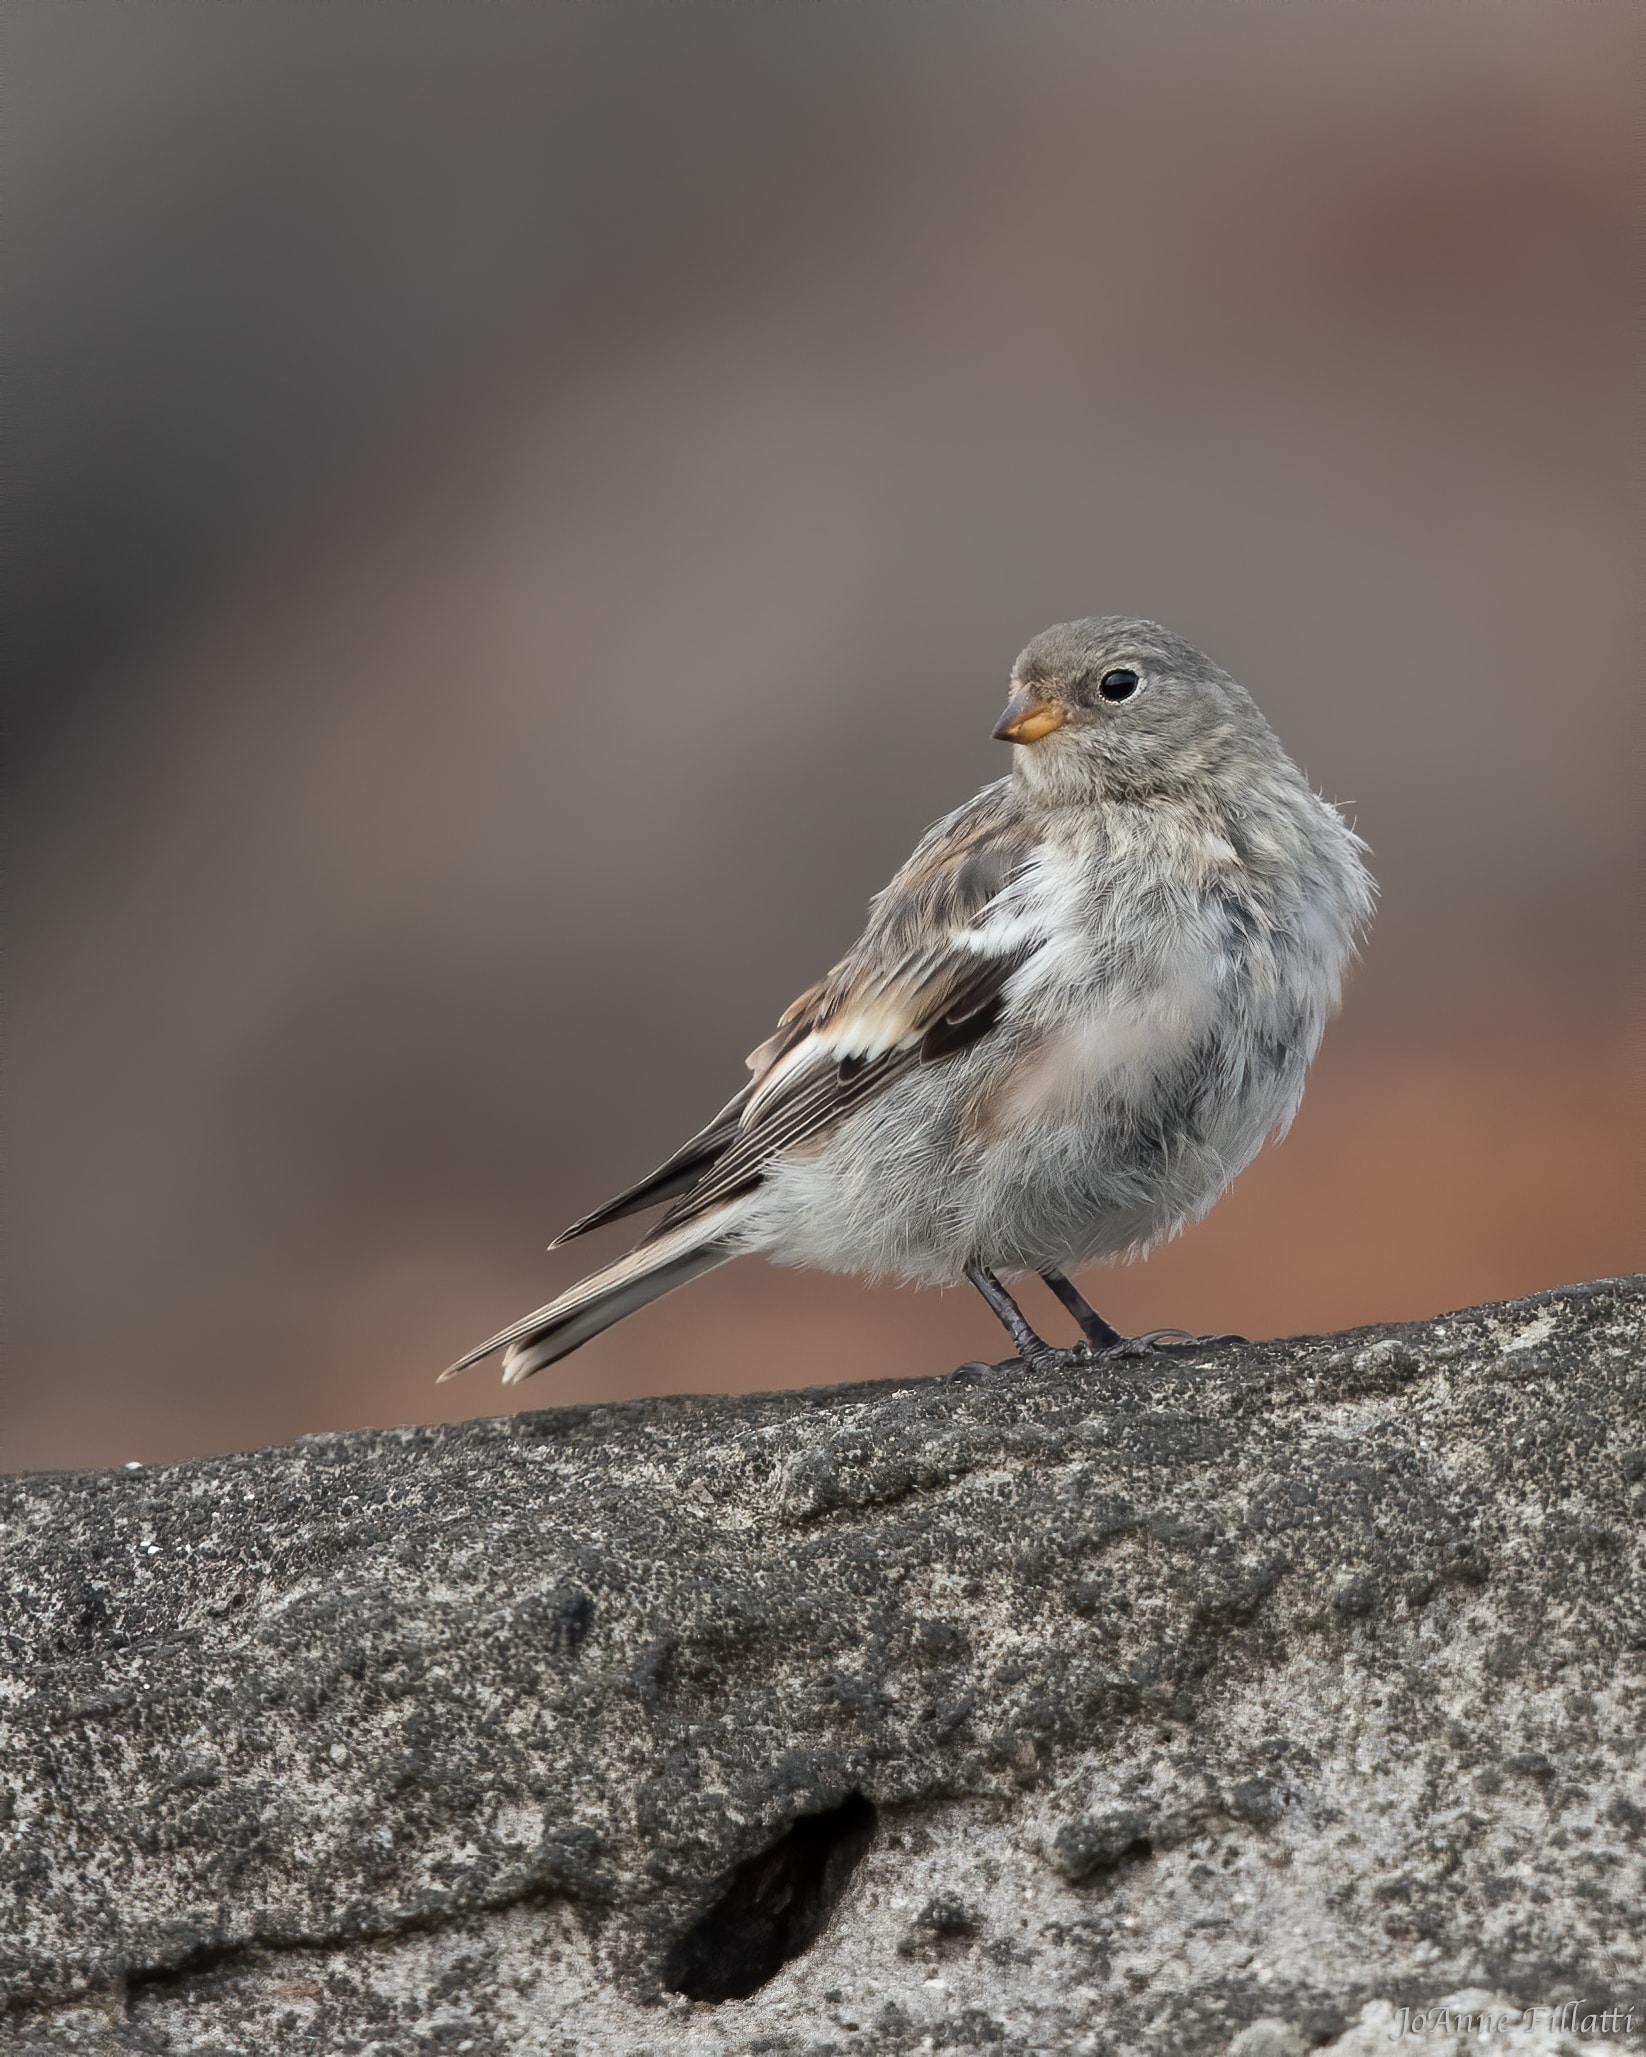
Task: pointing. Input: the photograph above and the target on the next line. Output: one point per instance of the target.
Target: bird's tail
(606, 1296)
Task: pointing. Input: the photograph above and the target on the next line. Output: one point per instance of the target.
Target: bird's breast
(1102, 1051)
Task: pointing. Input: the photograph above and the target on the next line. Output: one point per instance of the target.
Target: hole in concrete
(772, 1907)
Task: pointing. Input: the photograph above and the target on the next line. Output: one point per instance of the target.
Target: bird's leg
(1035, 1352)
(1102, 1336)
(1099, 1333)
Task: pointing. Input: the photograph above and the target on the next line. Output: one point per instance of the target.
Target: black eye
(1118, 685)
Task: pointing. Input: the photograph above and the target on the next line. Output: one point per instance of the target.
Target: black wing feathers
(821, 1099)
(681, 1171)
(974, 1005)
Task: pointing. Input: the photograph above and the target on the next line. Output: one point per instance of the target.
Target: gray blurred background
(520, 515)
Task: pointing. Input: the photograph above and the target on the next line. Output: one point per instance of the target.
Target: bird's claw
(1082, 1356)
(1052, 1359)
(1172, 1339)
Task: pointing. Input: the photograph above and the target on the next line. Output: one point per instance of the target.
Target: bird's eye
(1119, 685)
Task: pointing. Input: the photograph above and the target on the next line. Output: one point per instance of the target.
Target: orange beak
(1028, 718)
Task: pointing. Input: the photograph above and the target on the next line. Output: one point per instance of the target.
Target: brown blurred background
(520, 515)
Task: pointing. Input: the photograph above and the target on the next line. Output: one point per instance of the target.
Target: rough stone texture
(1228, 1700)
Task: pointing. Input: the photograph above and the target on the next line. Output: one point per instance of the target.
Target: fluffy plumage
(1074, 1015)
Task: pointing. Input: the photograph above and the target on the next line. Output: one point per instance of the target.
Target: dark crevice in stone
(772, 1907)
(204, 1961)
(209, 1959)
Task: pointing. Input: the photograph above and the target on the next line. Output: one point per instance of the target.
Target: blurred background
(519, 516)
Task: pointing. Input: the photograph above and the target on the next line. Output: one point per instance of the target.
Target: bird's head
(1109, 707)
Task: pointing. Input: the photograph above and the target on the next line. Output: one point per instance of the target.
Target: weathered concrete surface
(1214, 1698)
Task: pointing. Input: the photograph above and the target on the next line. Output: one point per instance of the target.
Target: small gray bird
(1076, 1013)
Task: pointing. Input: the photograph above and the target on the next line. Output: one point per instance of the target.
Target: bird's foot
(1080, 1356)
(1049, 1358)
(1177, 1341)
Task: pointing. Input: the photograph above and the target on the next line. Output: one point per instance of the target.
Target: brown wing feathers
(920, 989)
(828, 1089)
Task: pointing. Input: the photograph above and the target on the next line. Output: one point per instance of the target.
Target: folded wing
(927, 979)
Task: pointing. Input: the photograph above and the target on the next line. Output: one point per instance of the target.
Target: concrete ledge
(1242, 1699)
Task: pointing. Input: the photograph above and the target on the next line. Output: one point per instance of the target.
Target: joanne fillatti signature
(1574, 2019)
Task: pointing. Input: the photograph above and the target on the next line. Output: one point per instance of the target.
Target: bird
(1073, 1017)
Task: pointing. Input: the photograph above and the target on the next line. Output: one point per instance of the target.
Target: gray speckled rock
(1241, 1694)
